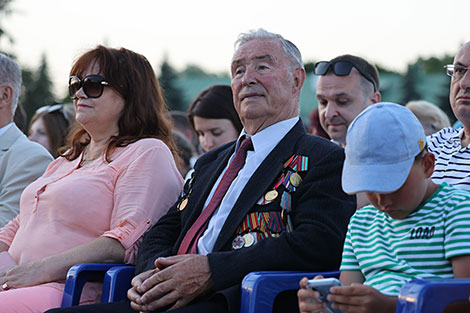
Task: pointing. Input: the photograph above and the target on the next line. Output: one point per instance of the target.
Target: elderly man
(451, 147)
(283, 210)
(346, 86)
(21, 160)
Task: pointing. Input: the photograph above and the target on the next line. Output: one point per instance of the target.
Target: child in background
(413, 229)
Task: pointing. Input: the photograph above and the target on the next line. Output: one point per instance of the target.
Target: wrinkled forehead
(256, 48)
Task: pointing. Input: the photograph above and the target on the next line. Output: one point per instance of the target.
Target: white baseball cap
(381, 145)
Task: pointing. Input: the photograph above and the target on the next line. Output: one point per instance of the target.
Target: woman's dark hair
(215, 102)
(132, 76)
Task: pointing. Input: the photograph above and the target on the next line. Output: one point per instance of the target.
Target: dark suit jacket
(321, 212)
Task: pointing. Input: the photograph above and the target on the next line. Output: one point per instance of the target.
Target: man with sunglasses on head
(450, 146)
(346, 85)
(21, 160)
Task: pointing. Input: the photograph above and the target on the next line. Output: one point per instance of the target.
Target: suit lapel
(209, 174)
(263, 177)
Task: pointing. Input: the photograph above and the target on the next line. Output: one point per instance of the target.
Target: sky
(202, 32)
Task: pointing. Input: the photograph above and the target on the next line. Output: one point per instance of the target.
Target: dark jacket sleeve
(321, 212)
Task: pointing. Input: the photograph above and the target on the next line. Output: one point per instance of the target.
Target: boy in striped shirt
(413, 229)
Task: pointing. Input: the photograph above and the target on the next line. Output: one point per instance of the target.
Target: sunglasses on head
(54, 108)
(92, 85)
(340, 68)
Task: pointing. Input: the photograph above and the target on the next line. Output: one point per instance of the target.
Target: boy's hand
(308, 299)
(358, 298)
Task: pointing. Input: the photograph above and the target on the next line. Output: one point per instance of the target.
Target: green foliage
(173, 95)
(37, 89)
(410, 83)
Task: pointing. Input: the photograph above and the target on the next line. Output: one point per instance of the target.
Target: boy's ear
(428, 164)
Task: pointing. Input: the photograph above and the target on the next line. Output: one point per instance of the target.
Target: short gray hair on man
(291, 51)
(10, 74)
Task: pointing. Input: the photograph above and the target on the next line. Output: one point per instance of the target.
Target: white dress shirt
(263, 142)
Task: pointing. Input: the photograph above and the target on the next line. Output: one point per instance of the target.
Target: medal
(183, 204)
(238, 242)
(295, 179)
(271, 195)
(249, 239)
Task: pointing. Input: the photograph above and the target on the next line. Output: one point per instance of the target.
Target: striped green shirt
(390, 252)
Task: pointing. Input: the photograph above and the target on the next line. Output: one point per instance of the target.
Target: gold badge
(183, 204)
(421, 144)
(295, 179)
(249, 239)
(271, 195)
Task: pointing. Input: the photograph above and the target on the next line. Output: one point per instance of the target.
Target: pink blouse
(69, 206)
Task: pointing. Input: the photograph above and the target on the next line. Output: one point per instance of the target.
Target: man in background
(21, 160)
(346, 86)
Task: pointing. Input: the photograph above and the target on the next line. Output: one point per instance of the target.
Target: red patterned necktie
(189, 242)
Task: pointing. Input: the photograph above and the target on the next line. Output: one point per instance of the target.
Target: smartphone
(323, 287)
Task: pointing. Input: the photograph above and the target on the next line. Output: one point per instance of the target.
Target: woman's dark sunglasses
(92, 85)
(340, 68)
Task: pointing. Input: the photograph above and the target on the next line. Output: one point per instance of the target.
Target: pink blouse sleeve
(145, 189)
(7, 232)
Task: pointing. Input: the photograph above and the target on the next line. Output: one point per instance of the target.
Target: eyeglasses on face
(456, 71)
(341, 68)
(92, 85)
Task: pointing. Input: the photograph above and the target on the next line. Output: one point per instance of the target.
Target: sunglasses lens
(321, 68)
(74, 86)
(92, 86)
(343, 68)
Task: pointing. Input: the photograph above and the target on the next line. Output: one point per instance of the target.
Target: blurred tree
(435, 64)
(37, 90)
(4, 10)
(443, 101)
(410, 82)
(173, 95)
(194, 70)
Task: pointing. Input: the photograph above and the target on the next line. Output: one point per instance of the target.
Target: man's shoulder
(312, 145)
(28, 148)
(444, 135)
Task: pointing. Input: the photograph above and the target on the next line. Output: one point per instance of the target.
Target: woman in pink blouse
(114, 180)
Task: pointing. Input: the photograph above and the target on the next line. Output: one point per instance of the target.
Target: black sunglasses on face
(92, 85)
(340, 68)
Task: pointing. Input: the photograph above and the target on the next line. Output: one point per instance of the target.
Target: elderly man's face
(340, 100)
(460, 88)
(263, 85)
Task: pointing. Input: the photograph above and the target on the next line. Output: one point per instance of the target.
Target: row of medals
(249, 239)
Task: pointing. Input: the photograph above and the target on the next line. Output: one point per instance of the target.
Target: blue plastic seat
(432, 295)
(259, 289)
(113, 286)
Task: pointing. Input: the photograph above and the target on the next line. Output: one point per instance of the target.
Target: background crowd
(260, 193)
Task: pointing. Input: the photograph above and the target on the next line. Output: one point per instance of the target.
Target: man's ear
(428, 163)
(299, 78)
(375, 97)
(6, 94)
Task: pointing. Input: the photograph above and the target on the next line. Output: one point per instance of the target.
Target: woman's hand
(29, 274)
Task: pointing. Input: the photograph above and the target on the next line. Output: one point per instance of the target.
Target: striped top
(390, 252)
(452, 160)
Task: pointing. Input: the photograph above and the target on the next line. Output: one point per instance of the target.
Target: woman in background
(105, 190)
(50, 125)
(213, 117)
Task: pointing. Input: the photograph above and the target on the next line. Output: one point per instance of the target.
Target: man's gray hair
(291, 51)
(10, 74)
